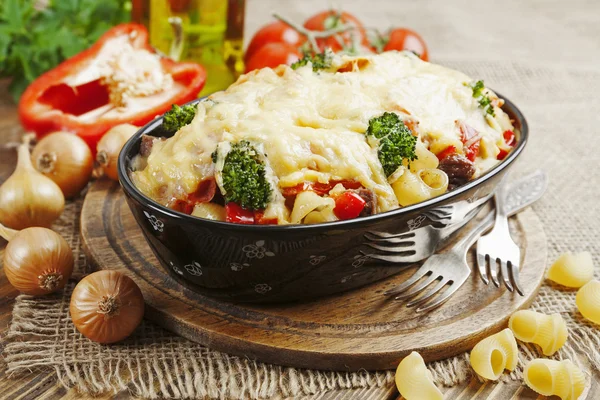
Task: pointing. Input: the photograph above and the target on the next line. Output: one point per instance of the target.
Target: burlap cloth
(543, 55)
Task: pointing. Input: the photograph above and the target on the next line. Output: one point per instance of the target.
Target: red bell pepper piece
(471, 140)
(446, 152)
(319, 188)
(64, 99)
(348, 205)
(238, 215)
(510, 140)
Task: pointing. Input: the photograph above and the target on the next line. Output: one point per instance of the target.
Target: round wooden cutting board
(361, 329)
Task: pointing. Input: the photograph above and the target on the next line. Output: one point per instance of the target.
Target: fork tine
(514, 275)
(442, 298)
(505, 276)
(430, 293)
(418, 288)
(403, 257)
(389, 249)
(482, 268)
(390, 235)
(421, 272)
(407, 241)
(494, 271)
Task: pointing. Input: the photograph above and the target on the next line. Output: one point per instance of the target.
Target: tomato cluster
(279, 43)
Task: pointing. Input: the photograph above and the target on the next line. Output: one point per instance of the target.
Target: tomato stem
(311, 35)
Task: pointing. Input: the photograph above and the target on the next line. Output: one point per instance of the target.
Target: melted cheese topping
(311, 125)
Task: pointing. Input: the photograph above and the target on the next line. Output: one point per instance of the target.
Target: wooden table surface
(42, 384)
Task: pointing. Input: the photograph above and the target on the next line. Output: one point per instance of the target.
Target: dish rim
(133, 191)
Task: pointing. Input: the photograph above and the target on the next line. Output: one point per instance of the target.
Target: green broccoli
(319, 61)
(178, 117)
(244, 180)
(395, 141)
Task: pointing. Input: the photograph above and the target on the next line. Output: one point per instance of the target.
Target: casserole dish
(275, 263)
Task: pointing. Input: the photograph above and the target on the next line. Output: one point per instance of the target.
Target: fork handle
(520, 195)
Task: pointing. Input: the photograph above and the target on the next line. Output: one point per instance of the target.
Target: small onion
(66, 159)
(107, 306)
(37, 261)
(28, 198)
(110, 146)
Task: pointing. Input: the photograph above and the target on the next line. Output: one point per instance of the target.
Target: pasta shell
(588, 301)
(551, 377)
(572, 269)
(547, 331)
(491, 356)
(414, 381)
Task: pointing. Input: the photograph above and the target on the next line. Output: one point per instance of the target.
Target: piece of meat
(146, 144)
(370, 199)
(458, 168)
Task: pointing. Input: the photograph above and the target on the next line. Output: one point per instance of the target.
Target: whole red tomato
(272, 55)
(277, 31)
(331, 19)
(406, 39)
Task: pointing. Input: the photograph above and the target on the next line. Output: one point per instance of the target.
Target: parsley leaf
(482, 98)
(318, 61)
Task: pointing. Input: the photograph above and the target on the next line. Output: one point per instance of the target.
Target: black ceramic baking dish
(274, 263)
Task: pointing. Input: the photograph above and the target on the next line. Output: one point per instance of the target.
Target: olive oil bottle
(209, 32)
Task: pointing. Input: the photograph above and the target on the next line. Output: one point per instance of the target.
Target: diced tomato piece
(472, 151)
(259, 218)
(238, 215)
(509, 138)
(502, 154)
(348, 205)
(446, 152)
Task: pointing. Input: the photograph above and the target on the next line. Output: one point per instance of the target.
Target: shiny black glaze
(250, 263)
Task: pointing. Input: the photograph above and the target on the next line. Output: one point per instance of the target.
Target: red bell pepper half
(73, 96)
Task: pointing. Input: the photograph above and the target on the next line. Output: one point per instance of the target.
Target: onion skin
(66, 159)
(28, 198)
(107, 306)
(38, 261)
(110, 146)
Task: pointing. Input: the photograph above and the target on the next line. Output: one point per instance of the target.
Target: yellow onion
(28, 198)
(66, 159)
(110, 146)
(37, 260)
(107, 306)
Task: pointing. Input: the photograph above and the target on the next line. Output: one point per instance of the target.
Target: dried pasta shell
(491, 356)
(547, 331)
(551, 377)
(588, 301)
(572, 269)
(414, 381)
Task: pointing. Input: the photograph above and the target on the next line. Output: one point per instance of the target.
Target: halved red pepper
(65, 99)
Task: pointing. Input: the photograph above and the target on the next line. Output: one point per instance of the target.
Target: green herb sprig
(33, 40)
(482, 98)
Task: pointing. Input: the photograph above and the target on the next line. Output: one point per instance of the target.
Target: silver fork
(498, 246)
(451, 268)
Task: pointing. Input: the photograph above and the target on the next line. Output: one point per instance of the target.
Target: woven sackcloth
(543, 55)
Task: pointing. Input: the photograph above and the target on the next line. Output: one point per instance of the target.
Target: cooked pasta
(547, 331)
(414, 380)
(307, 202)
(212, 211)
(588, 301)
(572, 269)
(355, 123)
(491, 356)
(558, 378)
(411, 188)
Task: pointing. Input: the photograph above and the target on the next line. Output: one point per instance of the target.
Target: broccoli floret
(319, 60)
(395, 141)
(178, 117)
(244, 180)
